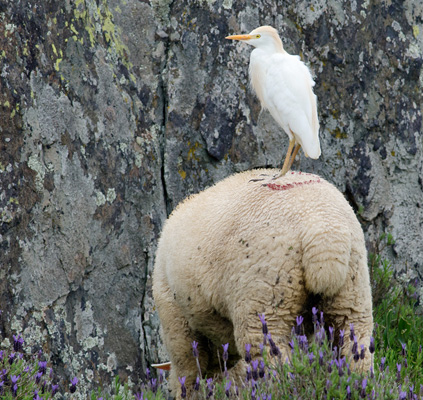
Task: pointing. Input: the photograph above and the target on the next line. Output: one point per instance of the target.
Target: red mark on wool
(276, 186)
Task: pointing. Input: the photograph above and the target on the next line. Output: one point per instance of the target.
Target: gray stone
(112, 112)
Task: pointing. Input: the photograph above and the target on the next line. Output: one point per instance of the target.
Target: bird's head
(264, 37)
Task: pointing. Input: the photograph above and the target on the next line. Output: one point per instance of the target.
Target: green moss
(338, 133)
(98, 20)
(191, 151)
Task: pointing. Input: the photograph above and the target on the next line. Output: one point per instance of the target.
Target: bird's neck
(272, 48)
(278, 46)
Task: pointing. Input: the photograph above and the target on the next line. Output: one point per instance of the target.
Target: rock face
(112, 111)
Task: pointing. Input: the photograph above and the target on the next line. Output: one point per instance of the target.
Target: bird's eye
(258, 36)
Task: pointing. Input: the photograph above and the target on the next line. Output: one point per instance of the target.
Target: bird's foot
(277, 176)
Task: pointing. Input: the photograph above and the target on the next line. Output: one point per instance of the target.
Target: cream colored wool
(245, 247)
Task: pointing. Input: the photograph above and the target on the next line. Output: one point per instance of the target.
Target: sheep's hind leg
(360, 319)
(178, 338)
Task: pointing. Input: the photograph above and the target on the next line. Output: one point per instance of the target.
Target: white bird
(283, 84)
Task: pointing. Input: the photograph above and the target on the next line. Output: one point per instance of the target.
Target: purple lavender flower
(362, 352)
(314, 311)
(42, 367)
(302, 342)
(225, 352)
(194, 345)
(210, 387)
(74, 382)
(399, 372)
(183, 388)
(153, 385)
(402, 395)
(139, 396)
(320, 336)
(299, 321)
(12, 358)
(15, 390)
(274, 350)
(351, 331)
(227, 388)
(339, 364)
(348, 393)
(43, 387)
(341, 338)
(261, 370)
(17, 342)
(322, 320)
(331, 362)
(335, 352)
(382, 363)
(254, 373)
(247, 353)
(54, 389)
(320, 358)
(403, 352)
(310, 358)
(356, 356)
(249, 375)
(264, 324)
(372, 345)
(331, 336)
(355, 345)
(38, 377)
(161, 376)
(363, 388)
(261, 346)
(197, 384)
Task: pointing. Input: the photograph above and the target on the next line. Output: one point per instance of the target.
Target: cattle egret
(283, 84)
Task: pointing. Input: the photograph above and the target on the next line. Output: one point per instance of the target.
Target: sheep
(251, 245)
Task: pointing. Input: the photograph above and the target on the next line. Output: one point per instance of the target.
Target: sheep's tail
(326, 258)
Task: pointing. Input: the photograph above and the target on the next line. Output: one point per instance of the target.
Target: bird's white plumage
(284, 86)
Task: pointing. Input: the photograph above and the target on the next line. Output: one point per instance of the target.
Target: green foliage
(397, 315)
(21, 376)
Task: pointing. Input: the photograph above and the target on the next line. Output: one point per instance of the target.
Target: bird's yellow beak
(239, 37)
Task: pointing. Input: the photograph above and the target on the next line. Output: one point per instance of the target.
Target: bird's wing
(289, 96)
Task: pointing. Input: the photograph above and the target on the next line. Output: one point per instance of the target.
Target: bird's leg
(286, 163)
(294, 154)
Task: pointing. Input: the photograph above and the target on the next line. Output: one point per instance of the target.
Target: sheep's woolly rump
(293, 180)
(251, 245)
